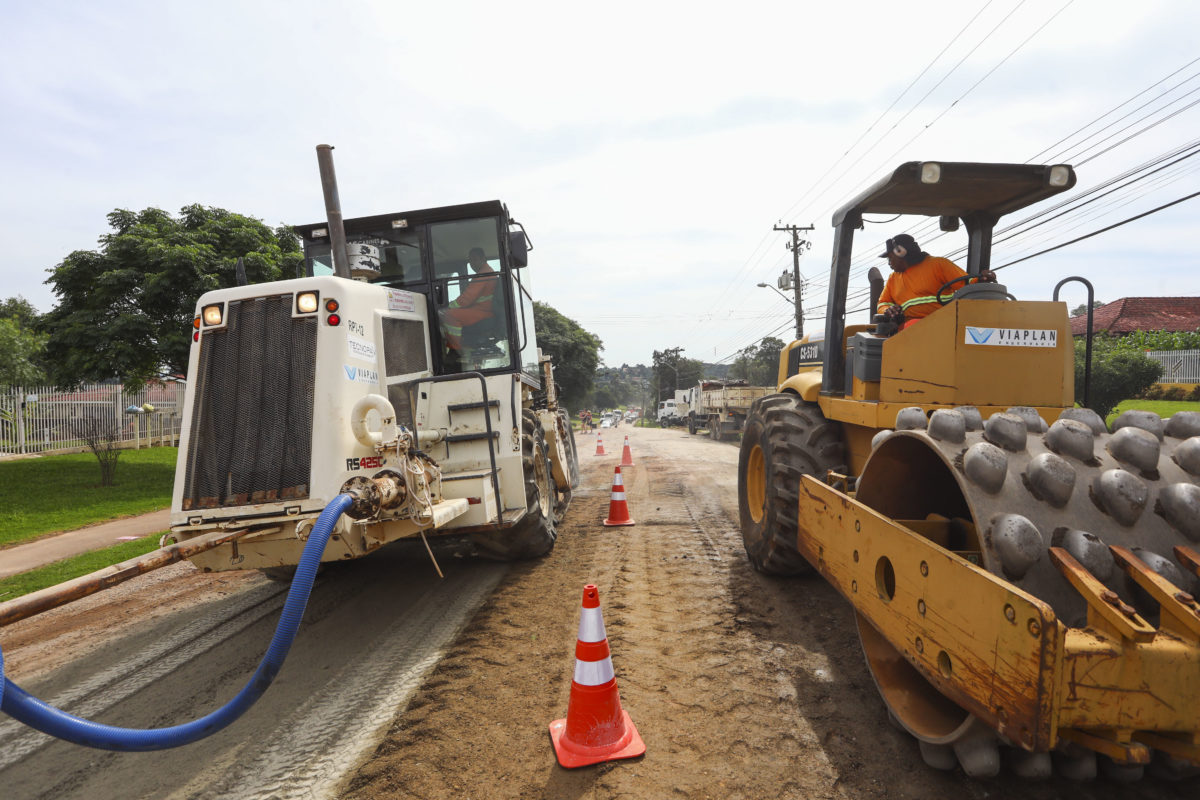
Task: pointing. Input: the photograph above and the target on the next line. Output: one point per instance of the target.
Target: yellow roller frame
(1118, 686)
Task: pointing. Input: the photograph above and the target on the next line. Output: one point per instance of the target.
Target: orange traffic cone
(596, 728)
(599, 445)
(618, 509)
(626, 455)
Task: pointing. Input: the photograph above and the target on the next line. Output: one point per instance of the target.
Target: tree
(20, 355)
(576, 353)
(1119, 371)
(1082, 307)
(758, 364)
(102, 436)
(20, 311)
(21, 346)
(672, 371)
(126, 309)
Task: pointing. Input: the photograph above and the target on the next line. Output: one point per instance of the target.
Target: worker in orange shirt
(474, 304)
(911, 290)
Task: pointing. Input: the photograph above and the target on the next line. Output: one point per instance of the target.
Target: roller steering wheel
(947, 285)
(960, 279)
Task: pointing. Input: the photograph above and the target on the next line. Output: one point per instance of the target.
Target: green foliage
(1119, 371)
(1082, 307)
(1151, 340)
(672, 371)
(21, 346)
(20, 355)
(576, 353)
(125, 310)
(758, 364)
(60, 493)
(21, 311)
(77, 566)
(605, 397)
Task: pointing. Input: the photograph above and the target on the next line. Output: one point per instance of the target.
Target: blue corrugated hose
(23, 706)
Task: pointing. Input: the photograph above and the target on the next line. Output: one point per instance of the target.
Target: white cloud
(648, 148)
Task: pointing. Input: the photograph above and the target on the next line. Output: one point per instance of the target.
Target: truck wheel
(784, 438)
(692, 424)
(534, 535)
(714, 428)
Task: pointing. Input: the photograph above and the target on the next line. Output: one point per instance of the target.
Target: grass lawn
(54, 574)
(61, 493)
(1164, 408)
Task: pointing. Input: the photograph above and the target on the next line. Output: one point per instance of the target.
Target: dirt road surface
(742, 686)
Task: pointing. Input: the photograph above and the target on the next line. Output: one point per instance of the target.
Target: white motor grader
(406, 374)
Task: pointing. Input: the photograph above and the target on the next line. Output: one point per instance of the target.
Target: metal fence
(1179, 366)
(41, 419)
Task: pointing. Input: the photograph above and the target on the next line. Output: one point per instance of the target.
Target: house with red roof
(1130, 314)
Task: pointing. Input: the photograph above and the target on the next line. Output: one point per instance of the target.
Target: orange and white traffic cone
(596, 728)
(599, 445)
(618, 509)
(626, 455)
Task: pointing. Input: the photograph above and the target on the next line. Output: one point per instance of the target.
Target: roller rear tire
(784, 438)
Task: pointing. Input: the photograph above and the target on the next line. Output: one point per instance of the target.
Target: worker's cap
(903, 246)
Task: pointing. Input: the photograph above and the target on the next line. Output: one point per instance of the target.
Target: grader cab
(1023, 578)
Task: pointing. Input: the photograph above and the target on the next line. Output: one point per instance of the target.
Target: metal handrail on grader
(1022, 577)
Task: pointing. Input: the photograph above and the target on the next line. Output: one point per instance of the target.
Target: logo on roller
(980, 335)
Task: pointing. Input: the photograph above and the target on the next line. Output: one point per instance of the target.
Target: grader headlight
(306, 302)
(212, 314)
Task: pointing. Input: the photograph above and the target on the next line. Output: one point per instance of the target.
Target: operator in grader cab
(911, 290)
(472, 306)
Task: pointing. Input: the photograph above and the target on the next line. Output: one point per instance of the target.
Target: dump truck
(368, 375)
(721, 407)
(1023, 577)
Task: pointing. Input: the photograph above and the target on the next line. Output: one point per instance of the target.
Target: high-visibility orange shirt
(915, 289)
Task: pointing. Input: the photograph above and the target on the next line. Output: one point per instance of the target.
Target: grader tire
(534, 535)
(563, 493)
(784, 438)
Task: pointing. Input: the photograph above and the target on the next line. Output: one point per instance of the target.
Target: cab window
(451, 243)
(473, 320)
(400, 259)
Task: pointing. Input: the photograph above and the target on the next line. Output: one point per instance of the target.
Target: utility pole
(797, 246)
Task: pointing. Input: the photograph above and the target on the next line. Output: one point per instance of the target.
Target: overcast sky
(648, 148)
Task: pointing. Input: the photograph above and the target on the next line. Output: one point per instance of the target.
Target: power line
(1102, 230)
(1140, 93)
(1105, 198)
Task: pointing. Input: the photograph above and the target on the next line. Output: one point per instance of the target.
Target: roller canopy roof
(963, 189)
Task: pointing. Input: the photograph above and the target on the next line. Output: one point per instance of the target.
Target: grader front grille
(251, 431)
